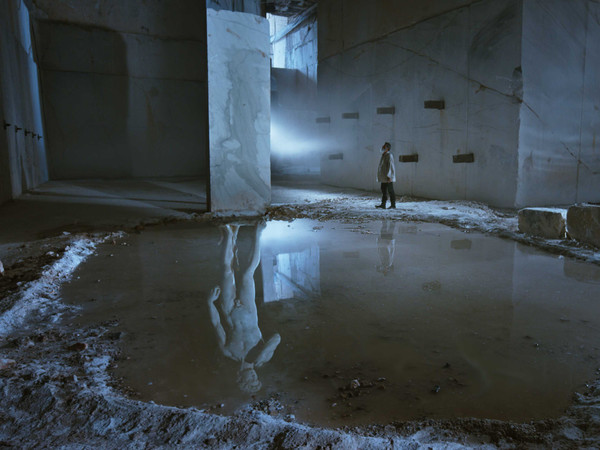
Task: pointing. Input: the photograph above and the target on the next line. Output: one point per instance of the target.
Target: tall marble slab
(239, 113)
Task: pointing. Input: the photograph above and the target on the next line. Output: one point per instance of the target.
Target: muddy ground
(56, 390)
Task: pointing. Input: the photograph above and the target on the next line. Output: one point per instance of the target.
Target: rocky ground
(56, 391)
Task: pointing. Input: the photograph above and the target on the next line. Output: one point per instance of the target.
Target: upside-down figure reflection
(232, 306)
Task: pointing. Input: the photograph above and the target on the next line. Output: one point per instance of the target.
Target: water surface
(346, 324)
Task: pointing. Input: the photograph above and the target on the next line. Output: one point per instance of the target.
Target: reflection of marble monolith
(239, 112)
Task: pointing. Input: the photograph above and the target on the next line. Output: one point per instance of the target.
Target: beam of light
(289, 141)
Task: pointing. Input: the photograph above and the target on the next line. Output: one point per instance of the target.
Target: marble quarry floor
(131, 318)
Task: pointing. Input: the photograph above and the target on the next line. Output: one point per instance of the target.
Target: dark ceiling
(288, 8)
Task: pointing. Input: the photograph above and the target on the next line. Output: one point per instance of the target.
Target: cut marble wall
(239, 112)
(278, 48)
(170, 20)
(466, 57)
(247, 6)
(124, 93)
(301, 55)
(559, 159)
(295, 150)
(22, 157)
(520, 84)
(349, 23)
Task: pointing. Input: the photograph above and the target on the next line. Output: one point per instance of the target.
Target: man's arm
(215, 318)
(267, 352)
(391, 169)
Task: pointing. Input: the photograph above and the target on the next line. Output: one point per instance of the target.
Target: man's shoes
(382, 206)
(392, 207)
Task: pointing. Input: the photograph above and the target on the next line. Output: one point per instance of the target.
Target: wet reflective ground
(346, 324)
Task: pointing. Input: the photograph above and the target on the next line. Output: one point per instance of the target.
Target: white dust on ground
(58, 392)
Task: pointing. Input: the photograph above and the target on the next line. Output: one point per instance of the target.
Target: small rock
(354, 384)
(71, 378)
(115, 336)
(381, 379)
(6, 363)
(436, 389)
(78, 347)
(210, 442)
(1, 269)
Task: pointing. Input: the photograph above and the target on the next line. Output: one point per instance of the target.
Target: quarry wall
(446, 89)
(124, 87)
(22, 140)
(559, 149)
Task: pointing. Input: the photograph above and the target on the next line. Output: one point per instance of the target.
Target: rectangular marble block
(583, 223)
(543, 222)
(239, 113)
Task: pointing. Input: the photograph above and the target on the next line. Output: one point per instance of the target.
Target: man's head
(248, 380)
(386, 147)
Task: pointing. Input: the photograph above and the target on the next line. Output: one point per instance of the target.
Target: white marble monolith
(239, 112)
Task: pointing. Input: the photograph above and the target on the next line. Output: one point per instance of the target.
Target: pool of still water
(346, 324)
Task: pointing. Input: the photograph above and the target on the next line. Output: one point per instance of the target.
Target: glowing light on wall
(287, 141)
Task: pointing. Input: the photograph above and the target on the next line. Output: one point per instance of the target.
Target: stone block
(239, 112)
(543, 222)
(583, 223)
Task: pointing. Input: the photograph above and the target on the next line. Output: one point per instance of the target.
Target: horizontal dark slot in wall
(466, 158)
(350, 115)
(323, 120)
(386, 110)
(336, 156)
(409, 158)
(435, 104)
(461, 244)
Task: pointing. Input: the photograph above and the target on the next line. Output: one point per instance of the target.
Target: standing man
(386, 175)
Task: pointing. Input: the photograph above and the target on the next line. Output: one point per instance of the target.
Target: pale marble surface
(468, 59)
(560, 114)
(121, 104)
(520, 83)
(239, 112)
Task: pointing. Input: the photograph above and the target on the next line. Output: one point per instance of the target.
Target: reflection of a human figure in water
(386, 245)
(233, 312)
